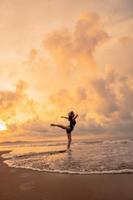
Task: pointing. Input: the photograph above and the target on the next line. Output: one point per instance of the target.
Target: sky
(57, 56)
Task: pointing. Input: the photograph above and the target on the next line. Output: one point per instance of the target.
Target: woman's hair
(71, 113)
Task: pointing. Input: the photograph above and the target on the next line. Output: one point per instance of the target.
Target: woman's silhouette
(72, 119)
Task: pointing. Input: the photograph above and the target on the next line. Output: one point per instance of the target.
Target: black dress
(71, 125)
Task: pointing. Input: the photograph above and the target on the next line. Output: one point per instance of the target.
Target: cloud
(116, 95)
(35, 125)
(117, 10)
(64, 73)
(75, 48)
(103, 104)
(125, 7)
(126, 40)
(16, 106)
(103, 87)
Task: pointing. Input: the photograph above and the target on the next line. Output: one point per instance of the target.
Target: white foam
(99, 157)
(122, 171)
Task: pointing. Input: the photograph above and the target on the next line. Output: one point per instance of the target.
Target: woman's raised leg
(60, 126)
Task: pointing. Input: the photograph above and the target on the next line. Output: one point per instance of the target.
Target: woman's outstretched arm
(64, 117)
(75, 116)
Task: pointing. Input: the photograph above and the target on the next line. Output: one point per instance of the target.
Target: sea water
(86, 156)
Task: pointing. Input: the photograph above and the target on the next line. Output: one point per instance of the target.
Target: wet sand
(23, 184)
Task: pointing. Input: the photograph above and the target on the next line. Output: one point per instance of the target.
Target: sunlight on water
(86, 157)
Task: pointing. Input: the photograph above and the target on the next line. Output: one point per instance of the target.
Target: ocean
(86, 157)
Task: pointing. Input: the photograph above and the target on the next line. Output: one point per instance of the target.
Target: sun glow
(2, 126)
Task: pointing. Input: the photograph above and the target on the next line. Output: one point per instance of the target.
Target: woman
(72, 119)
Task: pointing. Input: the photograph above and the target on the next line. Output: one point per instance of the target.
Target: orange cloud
(15, 106)
(65, 75)
(75, 48)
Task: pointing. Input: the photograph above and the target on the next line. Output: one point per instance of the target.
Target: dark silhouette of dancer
(72, 119)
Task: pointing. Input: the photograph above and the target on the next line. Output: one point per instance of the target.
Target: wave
(32, 143)
(120, 171)
(105, 142)
(32, 154)
(103, 157)
(41, 154)
(51, 143)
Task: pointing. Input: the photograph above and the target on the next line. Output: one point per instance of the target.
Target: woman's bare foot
(52, 124)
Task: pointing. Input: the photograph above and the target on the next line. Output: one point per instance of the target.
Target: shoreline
(25, 184)
(111, 172)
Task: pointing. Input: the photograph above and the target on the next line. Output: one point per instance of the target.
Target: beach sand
(23, 184)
